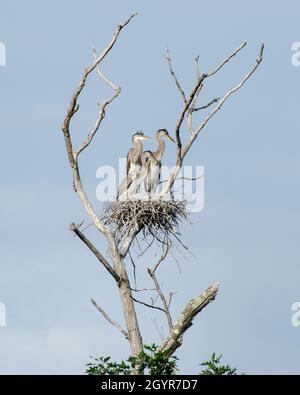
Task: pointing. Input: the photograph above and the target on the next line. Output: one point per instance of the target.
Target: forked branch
(102, 107)
(193, 308)
(166, 305)
(222, 101)
(189, 108)
(73, 107)
(117, 270)
(73, 155)
(169, 61)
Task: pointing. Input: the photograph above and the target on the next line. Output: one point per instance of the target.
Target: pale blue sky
(247, 236)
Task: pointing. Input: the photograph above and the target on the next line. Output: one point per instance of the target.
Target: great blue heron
(133, 161)
(135, 179)
(134, 154)
(154, 161)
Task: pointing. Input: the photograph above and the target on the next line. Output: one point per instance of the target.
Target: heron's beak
(171, 139)
(146, 137)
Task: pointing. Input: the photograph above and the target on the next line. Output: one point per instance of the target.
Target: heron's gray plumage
(133, 162)
(134, 154)
(153, 171)
(154, 161)
(131, 184)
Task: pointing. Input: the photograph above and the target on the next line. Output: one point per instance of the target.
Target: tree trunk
(132, 325)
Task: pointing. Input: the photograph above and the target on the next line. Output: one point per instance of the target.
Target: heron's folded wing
(129, 160)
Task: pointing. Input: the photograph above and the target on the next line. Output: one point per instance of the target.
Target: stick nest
(157, 218)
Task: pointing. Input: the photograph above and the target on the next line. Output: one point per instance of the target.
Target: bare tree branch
(95, 251)
(101, 114)
(162, 258)
(198, 74)
(158, 288)
(143, 289)
(151, 306)
(215, 100)
(134, 335)
(103, 77)
(159, 330)
(183, 178)
(165, 310)
(162, 298)
(190, 111)
(73, 107)
(182, 152)
(170, 298)
(129, 240)
(226, 60)
(222, 101)
(193, 308)
(72, 156)
(181, 118)
(195, 93)
(169, 61)
(109, 319)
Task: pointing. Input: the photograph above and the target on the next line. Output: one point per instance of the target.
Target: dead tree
(118, 251)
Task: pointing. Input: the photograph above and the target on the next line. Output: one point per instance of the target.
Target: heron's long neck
(138, 149)
(160, 149)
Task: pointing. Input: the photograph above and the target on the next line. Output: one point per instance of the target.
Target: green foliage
(214, 368)
(150, 361)
(154, 362)
(104, 365)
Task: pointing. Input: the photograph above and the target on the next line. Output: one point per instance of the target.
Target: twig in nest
(159, 219)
